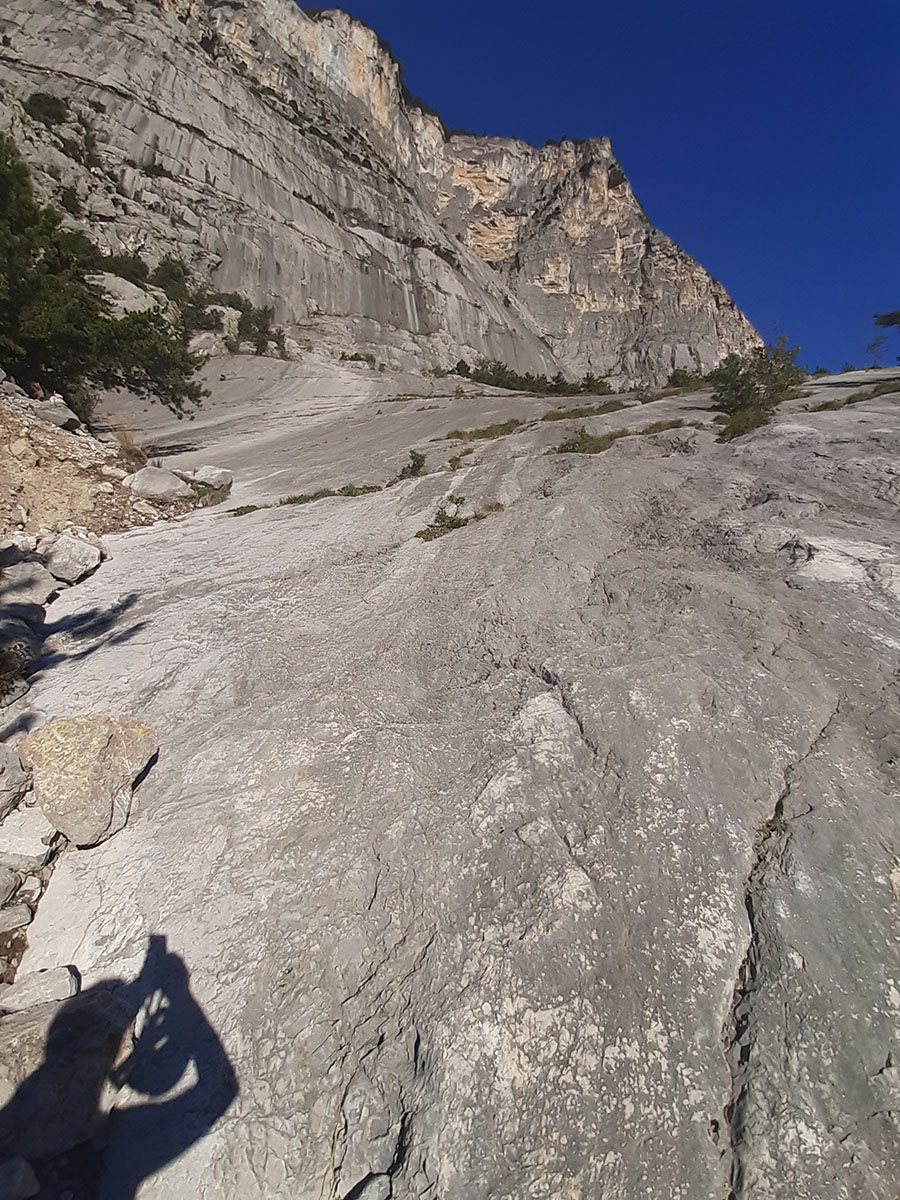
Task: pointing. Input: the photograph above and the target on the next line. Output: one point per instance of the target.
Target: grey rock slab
(17, 1180)
(153, 483)
(39, 987)
(14, 779)
(71, 558)
(534, 860)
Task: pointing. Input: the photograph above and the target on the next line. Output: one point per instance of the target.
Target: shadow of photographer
(140, 1101)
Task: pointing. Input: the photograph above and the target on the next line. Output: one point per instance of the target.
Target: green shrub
(127, 266)
(445, 520)
(46, 109)
(748, 389)
(171, 276)
(68, 198)
(55, 325)
(462, 368)
(414, 467)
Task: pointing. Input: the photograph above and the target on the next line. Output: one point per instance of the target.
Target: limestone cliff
(278, 152)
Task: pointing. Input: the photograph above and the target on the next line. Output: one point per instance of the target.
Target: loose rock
(83, 772)
(71, 558)
(153, 483)
(24, 838)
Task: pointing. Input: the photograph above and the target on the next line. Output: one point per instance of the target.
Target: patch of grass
(307, 497)
(348, 489)
(132, 455)
(582, 442)
(207, 496)
(357, 489)
(455, 461)
(583, 410)
(661, 426)
(357, 357)
(878, 389)
(884, 388)
(487, 431)
(243, 509)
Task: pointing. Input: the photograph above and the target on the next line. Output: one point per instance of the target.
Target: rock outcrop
(278, 153)
(555, 857)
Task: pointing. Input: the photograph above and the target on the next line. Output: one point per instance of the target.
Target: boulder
(17, 1180)
(39, 987)
(55, 1064)
(83, 772)
(13, 780)
(24, 839)
(153, 483)
(71, 558)
(27, 583)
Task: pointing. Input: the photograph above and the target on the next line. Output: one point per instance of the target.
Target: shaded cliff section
(279, 154)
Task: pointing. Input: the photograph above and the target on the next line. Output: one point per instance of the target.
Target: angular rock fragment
(24, 839)
(83, 770)
(39, 987)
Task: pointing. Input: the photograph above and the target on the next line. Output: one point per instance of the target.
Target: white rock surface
(552, 858)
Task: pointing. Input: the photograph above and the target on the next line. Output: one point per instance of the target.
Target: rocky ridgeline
(278, 153)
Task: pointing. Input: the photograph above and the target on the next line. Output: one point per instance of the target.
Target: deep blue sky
(763, 137)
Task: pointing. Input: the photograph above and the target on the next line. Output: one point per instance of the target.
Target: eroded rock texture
(279, 152)
(553, 858)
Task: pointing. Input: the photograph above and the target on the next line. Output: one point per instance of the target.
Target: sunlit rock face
(279, 153)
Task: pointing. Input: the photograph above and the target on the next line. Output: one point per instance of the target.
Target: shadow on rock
(133, 1074)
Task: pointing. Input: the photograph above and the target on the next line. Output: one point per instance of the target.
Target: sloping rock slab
(83, 771)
